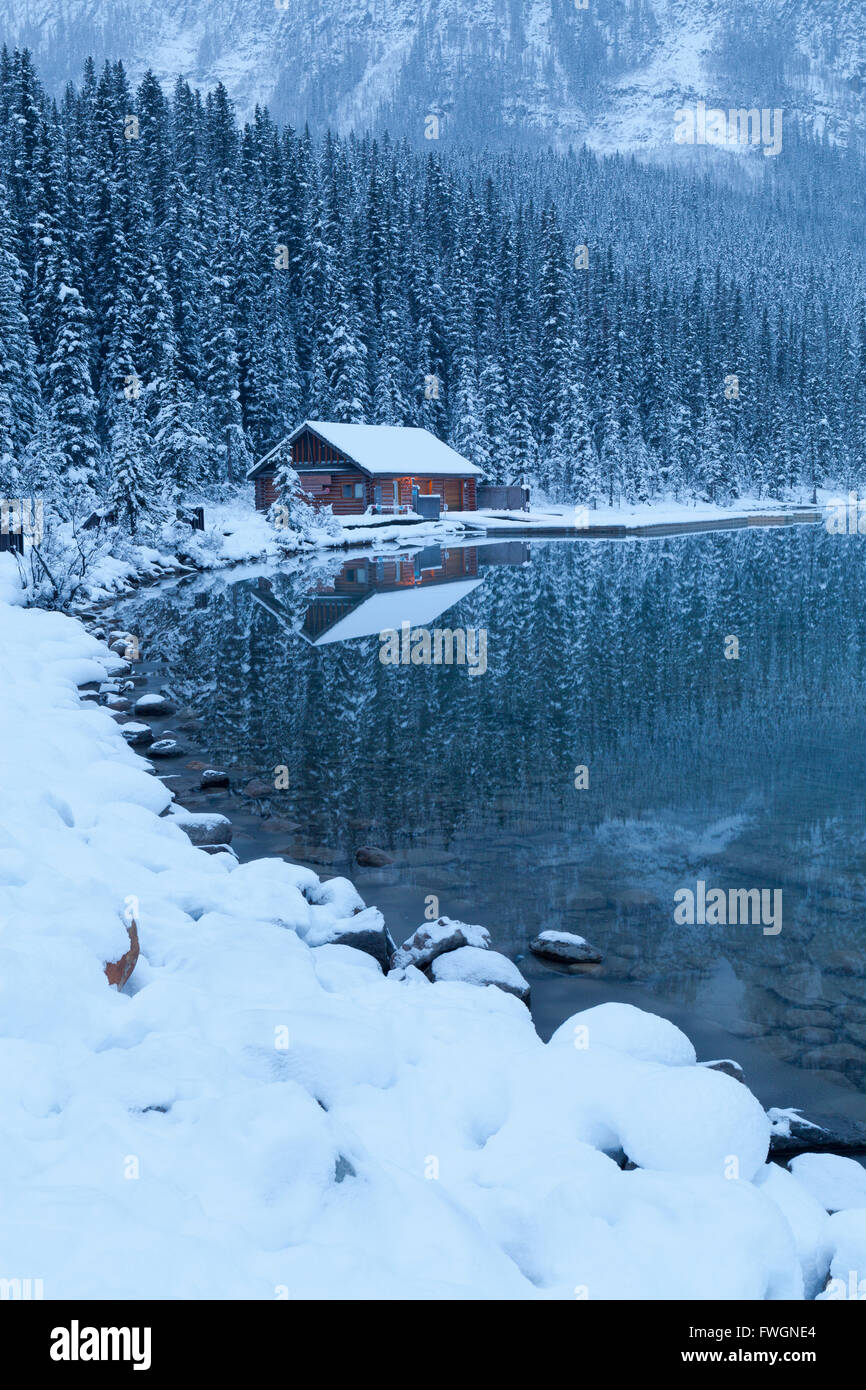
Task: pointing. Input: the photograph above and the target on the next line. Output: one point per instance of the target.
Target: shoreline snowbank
(235, 534)
(254, 1116)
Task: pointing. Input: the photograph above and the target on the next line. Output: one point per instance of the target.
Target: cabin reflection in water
(377, 592)
(372, 593)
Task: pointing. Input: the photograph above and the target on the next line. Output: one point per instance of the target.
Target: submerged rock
(433, 939)
(472, 965)
(314, 854)
(845, 963)
(844, 1056)
(588, 901)
(275, 825)
(566, 948)
(371, 858)
(814, 1037)
(257, 788)
(635, 899)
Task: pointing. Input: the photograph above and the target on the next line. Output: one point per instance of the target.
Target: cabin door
(453, 490)
(384, 494)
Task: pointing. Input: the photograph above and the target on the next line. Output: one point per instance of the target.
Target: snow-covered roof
(383, 450)
(389, 609)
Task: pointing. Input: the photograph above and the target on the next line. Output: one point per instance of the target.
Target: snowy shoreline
(256, 1113)
(236, 534)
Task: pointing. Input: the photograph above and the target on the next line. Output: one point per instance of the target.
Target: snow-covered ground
(254, 1115)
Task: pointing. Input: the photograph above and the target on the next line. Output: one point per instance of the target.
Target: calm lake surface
(610, 655)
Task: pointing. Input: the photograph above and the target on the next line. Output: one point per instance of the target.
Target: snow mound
(630, 1030)
(844, 1249)
(837, 1183)
(806, 1218)
(10, 581)
(691, 1120)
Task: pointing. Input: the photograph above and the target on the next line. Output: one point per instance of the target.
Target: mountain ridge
(609, 75)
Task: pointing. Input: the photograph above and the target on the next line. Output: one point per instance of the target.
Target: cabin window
(353, 489)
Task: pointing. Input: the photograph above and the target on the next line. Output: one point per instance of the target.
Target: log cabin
(353, 467)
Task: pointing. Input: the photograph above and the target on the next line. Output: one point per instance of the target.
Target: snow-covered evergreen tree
(20, 402)
(131, 493)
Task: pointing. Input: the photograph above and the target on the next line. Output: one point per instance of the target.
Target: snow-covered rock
(153, 706)
(433, 939)
(837, 1183)
(728, 1066)
(565, 947)
(794, 1133)
(202, 827)
(474, 965)
(116, 703)
(165, 748)
(366, 931)
(137, 734)
(213, 777)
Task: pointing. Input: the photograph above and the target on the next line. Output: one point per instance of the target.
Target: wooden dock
(796, 517)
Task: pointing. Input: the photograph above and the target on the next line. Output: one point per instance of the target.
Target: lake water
(740, 771)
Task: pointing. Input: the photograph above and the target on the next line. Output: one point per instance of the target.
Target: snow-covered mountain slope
(611, 73)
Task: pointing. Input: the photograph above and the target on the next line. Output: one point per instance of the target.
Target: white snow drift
(257, 1116)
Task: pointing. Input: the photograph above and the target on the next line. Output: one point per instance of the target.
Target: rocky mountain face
(610, 72)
